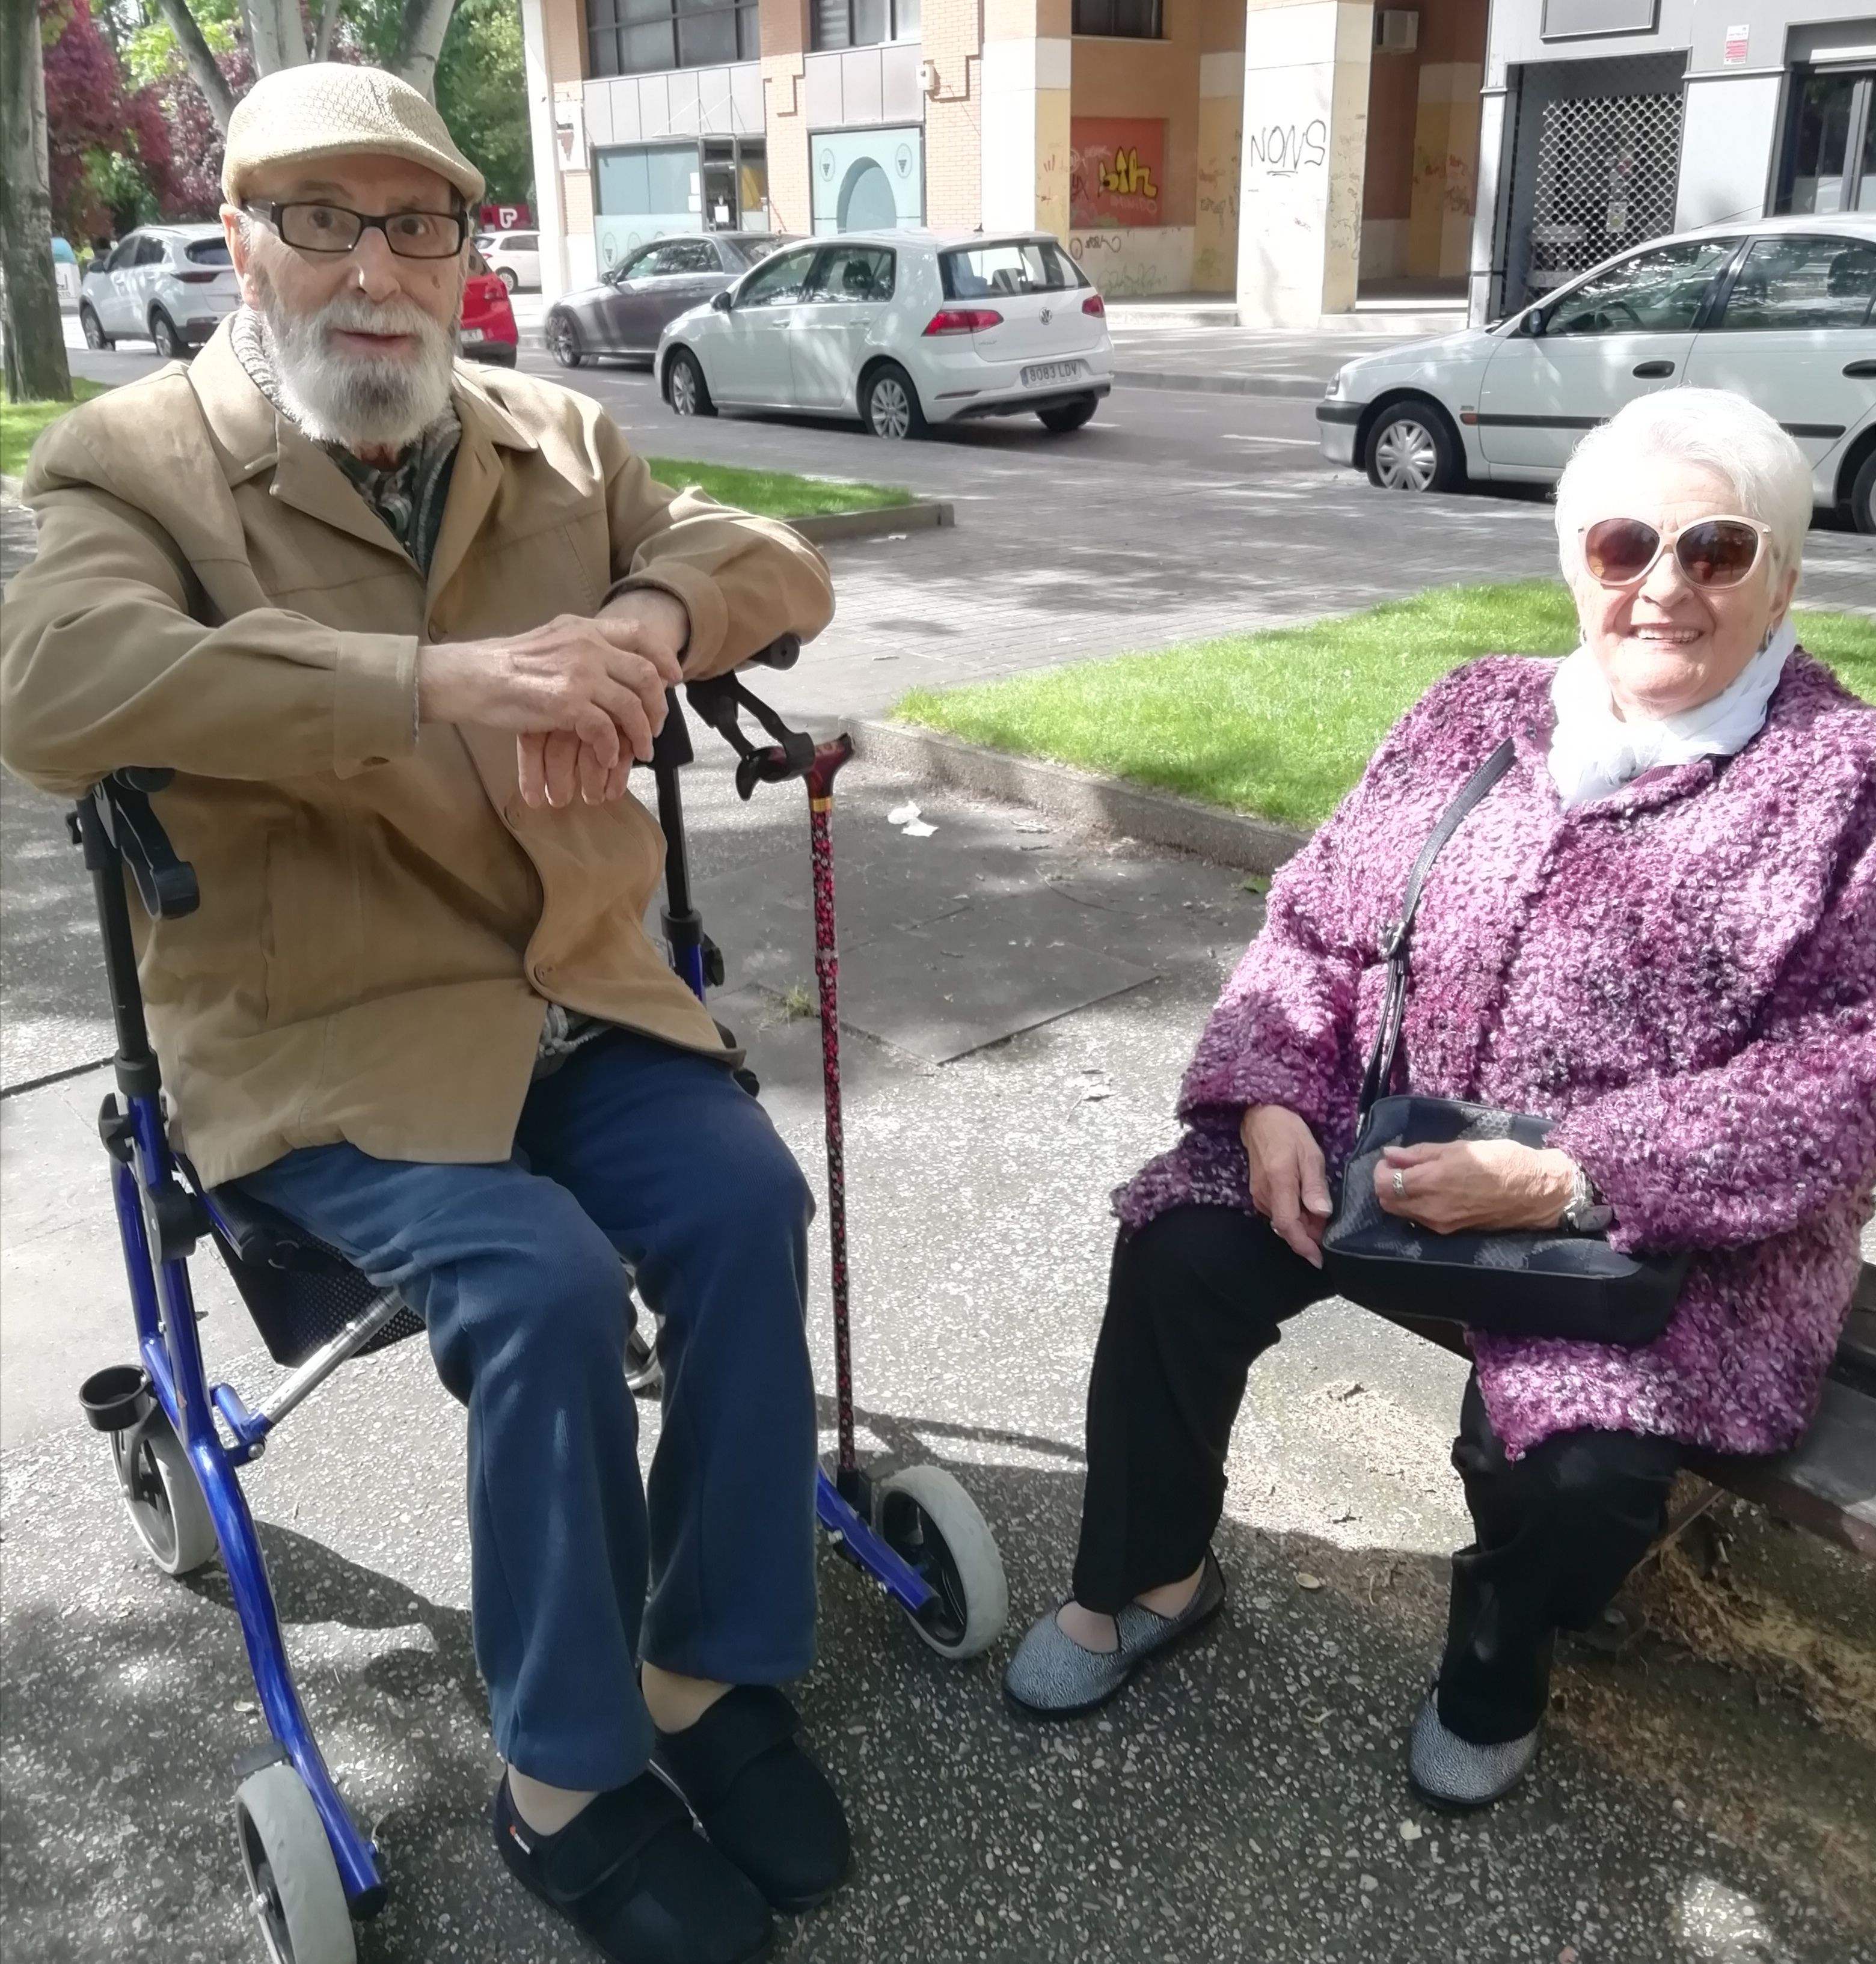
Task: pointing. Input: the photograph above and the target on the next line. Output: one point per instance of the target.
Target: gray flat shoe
(1451, 1772)
(1051, 1677)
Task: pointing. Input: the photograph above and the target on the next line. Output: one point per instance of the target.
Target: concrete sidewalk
(1245, 1800)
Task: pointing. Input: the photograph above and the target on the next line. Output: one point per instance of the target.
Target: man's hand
(1288, 1177)
(1481, 1185)
(596, 687)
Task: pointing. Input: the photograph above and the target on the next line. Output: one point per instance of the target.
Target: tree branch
(329, 22)
(276, 34)
(204, 71)
(420, 42)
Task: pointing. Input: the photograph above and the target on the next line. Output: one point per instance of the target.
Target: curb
(1296, 387)
(1079, 797)
(882, 522)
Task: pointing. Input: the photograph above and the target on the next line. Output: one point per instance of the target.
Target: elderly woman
(1658, 928)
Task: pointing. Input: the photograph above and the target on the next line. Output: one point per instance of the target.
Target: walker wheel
(295, 1892)
(644, 1372)
(162, 1495)
(927, 1518)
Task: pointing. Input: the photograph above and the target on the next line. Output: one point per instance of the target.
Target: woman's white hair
(1712, 428)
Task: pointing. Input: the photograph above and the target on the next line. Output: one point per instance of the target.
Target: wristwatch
(1588, 1212)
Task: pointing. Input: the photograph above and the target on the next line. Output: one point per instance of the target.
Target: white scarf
(1594, 751)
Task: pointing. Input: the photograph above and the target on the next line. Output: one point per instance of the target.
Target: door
(684, 273)
(1795, 334)
(840, 312)
(1034, 286)
(1620, 334)
(624, 316)
(1829, 160)
(524, 248)
(746, 360)
(117, 302)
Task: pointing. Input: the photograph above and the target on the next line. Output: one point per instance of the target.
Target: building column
(1026, 71)
(1220, 163)
(549, 214)
(784, 30)
(1305, 126)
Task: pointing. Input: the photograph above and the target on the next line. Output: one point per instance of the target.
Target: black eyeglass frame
(272, 214)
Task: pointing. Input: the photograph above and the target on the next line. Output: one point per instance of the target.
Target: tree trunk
(275, 33)
(322, 41)
(204, 71)
(420, 42)
(35, 368)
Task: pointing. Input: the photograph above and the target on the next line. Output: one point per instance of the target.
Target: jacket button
(513, 810)
(544, 971)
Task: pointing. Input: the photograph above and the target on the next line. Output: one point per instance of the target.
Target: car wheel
(563, 341)
(506, 275)
(163, 330)
(95, 334)
(1067, 416)
(1863, 496)
(1410, 448)
(685, 387)
(889, 404)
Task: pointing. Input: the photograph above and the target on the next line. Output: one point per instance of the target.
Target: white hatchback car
(1783, 310)
(902, 329)
(170, 285)
(514, 257)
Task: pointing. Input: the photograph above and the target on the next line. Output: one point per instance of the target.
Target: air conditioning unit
(1396, 30)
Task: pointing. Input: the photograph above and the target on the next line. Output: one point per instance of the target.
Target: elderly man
(400, 631)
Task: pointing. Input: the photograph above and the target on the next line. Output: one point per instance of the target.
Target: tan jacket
(381, 917)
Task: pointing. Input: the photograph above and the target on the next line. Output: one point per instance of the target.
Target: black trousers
(1194, 1297)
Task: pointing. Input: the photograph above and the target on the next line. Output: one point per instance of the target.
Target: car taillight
(1095, 305)
(963, 320)
(198, 279)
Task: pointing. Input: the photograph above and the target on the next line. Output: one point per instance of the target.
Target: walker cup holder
(116, 1398)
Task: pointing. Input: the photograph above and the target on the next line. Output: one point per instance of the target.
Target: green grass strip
(1280, 722)
(21, 423)
(774, 494)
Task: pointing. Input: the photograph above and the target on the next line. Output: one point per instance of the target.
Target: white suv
(901, 329)
(1781, 310)
(171, 284)
(514, 257)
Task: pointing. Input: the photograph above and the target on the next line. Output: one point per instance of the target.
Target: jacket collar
(252, 437)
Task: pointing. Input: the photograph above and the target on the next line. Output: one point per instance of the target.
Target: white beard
(352, 400)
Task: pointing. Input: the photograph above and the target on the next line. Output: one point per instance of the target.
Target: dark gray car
(626, 311)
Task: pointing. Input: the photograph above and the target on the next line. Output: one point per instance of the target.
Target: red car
(488, 333)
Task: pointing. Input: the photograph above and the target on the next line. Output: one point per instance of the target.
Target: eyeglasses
(331, 228)
(1711, 553)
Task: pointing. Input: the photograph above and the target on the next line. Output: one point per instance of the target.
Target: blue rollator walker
(176, 1443)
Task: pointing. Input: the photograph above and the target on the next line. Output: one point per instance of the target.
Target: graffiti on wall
(1282, 149)
(1117, 167)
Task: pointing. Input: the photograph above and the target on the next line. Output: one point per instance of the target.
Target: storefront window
(644, 36)
(1131, 20)
(1830, 149)
(863, 23)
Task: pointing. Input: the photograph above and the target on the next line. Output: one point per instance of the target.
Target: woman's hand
(1289, 1178)
(1475, 1184)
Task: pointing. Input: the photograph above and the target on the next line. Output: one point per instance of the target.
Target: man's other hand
(585, 697)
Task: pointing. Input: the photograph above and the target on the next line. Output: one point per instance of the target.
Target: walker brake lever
(720, 700)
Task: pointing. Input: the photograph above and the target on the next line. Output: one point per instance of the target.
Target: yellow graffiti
(1129, 177)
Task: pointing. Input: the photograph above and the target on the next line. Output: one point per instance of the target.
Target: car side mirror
(719, 301)
(1533, 322)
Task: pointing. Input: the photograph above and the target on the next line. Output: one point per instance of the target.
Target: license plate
(473, 333)
(1045, 372)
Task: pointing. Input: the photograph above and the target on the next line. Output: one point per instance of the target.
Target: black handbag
(1516, 1282)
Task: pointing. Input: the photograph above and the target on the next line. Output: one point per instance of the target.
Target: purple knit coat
(1683, 973)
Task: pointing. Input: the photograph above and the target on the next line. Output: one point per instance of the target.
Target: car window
(852, 273)
(1655, 293)
(151, 253)
(776, 282)
(525, 242)
(125, 254)
(636, 265)
(477, 265)
(680, 256)
(1801, 282)
(209, 253)
(1028, 266)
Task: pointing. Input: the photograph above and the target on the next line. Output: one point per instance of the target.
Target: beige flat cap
(333, 109)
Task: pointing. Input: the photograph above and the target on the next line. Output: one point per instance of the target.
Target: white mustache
(354, 314)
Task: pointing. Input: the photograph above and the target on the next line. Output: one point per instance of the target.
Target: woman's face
(1664, 646)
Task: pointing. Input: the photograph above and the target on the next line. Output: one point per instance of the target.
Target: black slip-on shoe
(760, 1799)
(632, 1875)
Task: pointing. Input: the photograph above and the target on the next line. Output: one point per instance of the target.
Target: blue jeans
(579, 1570)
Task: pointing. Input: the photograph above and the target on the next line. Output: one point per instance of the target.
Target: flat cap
(334, 109)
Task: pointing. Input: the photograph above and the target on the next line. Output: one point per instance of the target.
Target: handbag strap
(1397, 935)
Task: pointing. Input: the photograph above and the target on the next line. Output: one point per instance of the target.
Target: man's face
(363, 339)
